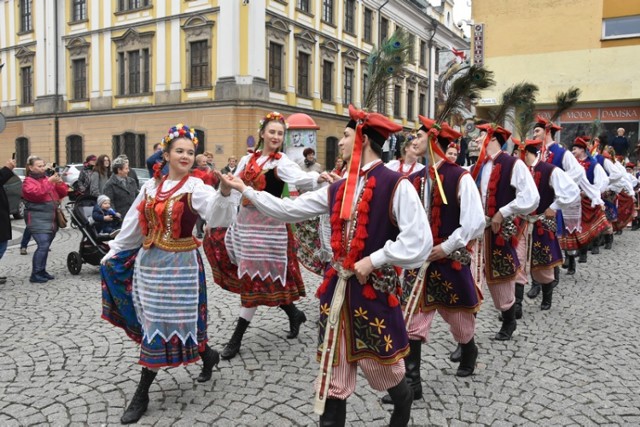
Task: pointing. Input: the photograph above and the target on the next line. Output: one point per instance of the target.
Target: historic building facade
(86, 77)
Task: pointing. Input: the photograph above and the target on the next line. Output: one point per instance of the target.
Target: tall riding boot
(635, 224)
(547, 294)
(210, 359)
(140, 401)
(556, 276)
(233, 346)
(412, 368)
(402, 397)
(508, 324)
(296, 318)
(608, 241)
(335, 413)
(595, 245)
(468, 361)
(582, 255)
(565, 263)
(572, 265)
(519, 297)
(456, 355)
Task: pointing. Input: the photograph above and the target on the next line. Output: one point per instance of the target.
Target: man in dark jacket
(121, 188)
(6, 173)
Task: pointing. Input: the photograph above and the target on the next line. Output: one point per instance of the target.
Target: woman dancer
(166, 282)
(408, 164)
(255, 257)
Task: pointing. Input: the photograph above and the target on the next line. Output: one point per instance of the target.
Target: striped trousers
(462, 324)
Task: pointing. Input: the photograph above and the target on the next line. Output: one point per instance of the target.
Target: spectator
(132, 173)
(309, 164)
(621, 145)
(106, 219)
(209, 156)
(339, 166)
(6, 173)
(473, 151)
(100, 175)
(121, 188)
(156, 158)
(83, 183)
(232, 164)
(42, 194)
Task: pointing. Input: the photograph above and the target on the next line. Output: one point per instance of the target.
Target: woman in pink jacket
(41, 194)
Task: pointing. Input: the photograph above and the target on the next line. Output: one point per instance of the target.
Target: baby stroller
(93, 245)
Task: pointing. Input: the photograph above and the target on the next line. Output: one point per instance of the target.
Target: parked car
(70, 173)
(143, 175)
(20, 172)
(13, 188)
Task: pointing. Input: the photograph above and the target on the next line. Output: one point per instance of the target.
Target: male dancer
(361, 321)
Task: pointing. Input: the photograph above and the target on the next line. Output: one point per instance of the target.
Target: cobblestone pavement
(574, 365)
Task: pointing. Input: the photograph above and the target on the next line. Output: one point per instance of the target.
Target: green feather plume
(595, 128)
(525, 117)
(460, 88)
(517, 96)
(386, 62)
(565, 101)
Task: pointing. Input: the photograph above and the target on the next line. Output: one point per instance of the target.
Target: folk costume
(361, 325)
(506, 186)
(153, 280)
(635, 184)
(625, 198)
(449, 287)
(542, 250)
(252, 254)
(403, 168)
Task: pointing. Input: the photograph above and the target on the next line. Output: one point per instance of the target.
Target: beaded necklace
(162, 196)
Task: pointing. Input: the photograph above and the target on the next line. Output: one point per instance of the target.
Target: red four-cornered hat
(375, 121)
(581, 142)
(495, 129)
(444, 131)
(542, 122)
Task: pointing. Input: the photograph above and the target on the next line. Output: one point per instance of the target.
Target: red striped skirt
(625, 211)
(593, 221)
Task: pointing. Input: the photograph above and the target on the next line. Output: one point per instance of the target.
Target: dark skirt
(253, 292)
(118, 309)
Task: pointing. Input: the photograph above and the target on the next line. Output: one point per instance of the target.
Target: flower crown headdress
(273, 116)
(179, 131)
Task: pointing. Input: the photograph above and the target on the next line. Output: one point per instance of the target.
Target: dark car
(13, 188)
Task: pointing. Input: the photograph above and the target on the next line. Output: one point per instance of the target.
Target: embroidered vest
(547, 195)
(169, 225)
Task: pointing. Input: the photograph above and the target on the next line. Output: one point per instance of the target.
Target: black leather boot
(595, 245)
(469, 357)
(608, 241)
(547, 294)
(140, 401)
(412, 368)
(335, 413)
(582, 255)
(456, 355)
(233, 346)
(296, 318)
(508, 324)
(534, 291)
(565, 262)
(210, 359)
(635, 224)
(519, 298)
(556, 277)
(402, 397)
(572, 265)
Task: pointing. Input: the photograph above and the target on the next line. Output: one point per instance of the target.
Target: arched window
(74, 149)
(22, 151)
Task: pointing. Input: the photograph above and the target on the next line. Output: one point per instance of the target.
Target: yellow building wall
(616, 8)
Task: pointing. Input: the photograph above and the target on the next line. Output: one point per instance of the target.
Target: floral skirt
(119, 310)
(253, 292)
(594, 223)
(625, 211)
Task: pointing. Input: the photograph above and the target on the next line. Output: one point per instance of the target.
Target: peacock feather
(565, 101)
(458, 88)
(516, 97)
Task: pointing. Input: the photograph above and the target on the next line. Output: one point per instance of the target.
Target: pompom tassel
(500, 240)
(456, 265)
(540, 231)
(368, 292)
(392, 300)
(514, 241)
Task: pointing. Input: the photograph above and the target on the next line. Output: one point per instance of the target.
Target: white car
(143, 175)
(20, 172)
(70, 173)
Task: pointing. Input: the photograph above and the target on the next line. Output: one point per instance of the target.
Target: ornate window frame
(197, 29)
(128, 42)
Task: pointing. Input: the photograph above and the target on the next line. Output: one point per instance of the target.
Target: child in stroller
(106, 220)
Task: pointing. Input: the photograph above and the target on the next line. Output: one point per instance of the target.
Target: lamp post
(432, 58)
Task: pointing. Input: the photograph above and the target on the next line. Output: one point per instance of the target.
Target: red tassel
(456, 265)
(540, 230)
(361, 232)
(392, 300)
(514, 241)
(368, 292)
(500, 240)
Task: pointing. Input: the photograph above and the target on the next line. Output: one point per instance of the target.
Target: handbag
(61, 220)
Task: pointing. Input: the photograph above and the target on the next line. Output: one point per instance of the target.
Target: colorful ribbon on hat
(354, 165)
(432, 136)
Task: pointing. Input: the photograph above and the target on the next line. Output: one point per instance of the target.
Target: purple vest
(506, 193)
(547, 195)
(545, 249)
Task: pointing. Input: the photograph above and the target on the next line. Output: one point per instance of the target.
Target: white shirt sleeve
(394, 165)
(414, 242)
(527, 197)
(600, 178)
(471, 216)
(567, 192)
(305, 206)
(572, 167)
(615, 176)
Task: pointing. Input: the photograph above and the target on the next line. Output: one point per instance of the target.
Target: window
(423, 53)
(348, 86)
(131, 144)
(79, 10)
(327, 11)
(22, 151)
(303, 74)
(365, 86)
(27, 85)
(368, 19)
(331, 148)
(349, 16)
(201, 141)
(275, 66)
(74, 149)
(410, 96)
(412, 48)
(396, 101)
(384, 29)
(327, 81)
(626, 26)
(134, 73)
(25, 16)
(199, 64)
(79, 73)
(422, 102)
(124, 5)
(303, 5)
